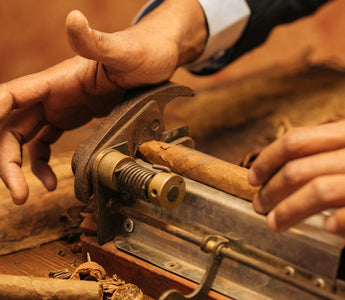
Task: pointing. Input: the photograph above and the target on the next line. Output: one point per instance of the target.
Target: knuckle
(321, 190)
(291, 174)
(291, 143)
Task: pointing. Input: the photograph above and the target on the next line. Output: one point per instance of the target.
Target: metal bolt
(155, 125)
(128, 225)
(290, 271)
(320, 283)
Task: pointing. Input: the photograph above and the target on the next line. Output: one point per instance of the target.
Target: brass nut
(111, 162)
(166, 190)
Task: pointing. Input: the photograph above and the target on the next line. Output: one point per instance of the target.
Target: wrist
(183, 23)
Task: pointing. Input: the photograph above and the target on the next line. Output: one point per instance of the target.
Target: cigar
(35, 288)
(200, 167)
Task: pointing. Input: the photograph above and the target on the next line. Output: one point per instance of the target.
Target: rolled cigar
(32, 288)
(200, 167)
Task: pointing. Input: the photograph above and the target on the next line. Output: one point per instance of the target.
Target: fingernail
(252, 179)
(272, 221)
(257, 205)
(331, 224)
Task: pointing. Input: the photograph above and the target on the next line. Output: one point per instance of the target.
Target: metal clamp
(120, 172)
(211, 244)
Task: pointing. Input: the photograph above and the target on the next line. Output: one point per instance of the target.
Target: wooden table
(42, 260)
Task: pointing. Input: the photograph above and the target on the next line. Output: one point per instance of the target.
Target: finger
(296, 173)
(113, 50)
(21, 126)
(79, 34)
(315, 196)
(10, 167)
(7, 104)
(296, 143)
(22, 92)
(336, 222)
(39, 150)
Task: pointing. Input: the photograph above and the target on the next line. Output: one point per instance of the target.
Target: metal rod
(298, 279)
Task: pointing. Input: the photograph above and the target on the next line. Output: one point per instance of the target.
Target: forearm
(184, 22)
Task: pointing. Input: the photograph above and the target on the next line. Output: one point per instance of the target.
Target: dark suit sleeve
(265, 15)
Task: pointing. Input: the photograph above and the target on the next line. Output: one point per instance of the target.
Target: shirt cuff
(226, 21)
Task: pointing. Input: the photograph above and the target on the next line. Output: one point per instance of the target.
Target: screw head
(128, 225)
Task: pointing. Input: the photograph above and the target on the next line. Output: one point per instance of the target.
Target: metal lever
(211, 244)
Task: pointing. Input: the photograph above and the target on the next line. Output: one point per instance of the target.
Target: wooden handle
(199, 167)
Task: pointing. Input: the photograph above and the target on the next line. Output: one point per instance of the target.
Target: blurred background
(32, 37)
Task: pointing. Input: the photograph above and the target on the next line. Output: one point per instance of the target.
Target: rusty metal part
(139, 118)
(121, 173)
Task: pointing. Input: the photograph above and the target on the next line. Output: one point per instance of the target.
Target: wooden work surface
(42, 260)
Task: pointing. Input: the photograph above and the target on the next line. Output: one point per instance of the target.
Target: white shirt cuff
(226, 21)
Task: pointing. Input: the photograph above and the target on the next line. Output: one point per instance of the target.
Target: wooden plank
(41, 261)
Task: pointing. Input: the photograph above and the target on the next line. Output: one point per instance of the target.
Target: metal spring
(134, 179)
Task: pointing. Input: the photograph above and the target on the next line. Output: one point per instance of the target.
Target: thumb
(112, 50)
(81, 37)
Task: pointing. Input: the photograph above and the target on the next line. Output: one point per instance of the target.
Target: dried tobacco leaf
(128, 291)
(90, 271)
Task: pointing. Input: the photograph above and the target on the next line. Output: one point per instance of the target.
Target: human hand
(301, 174)
(38, 108)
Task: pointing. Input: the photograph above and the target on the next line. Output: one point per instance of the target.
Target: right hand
(301, 174)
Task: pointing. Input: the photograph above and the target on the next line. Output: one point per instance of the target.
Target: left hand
(302, 173)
